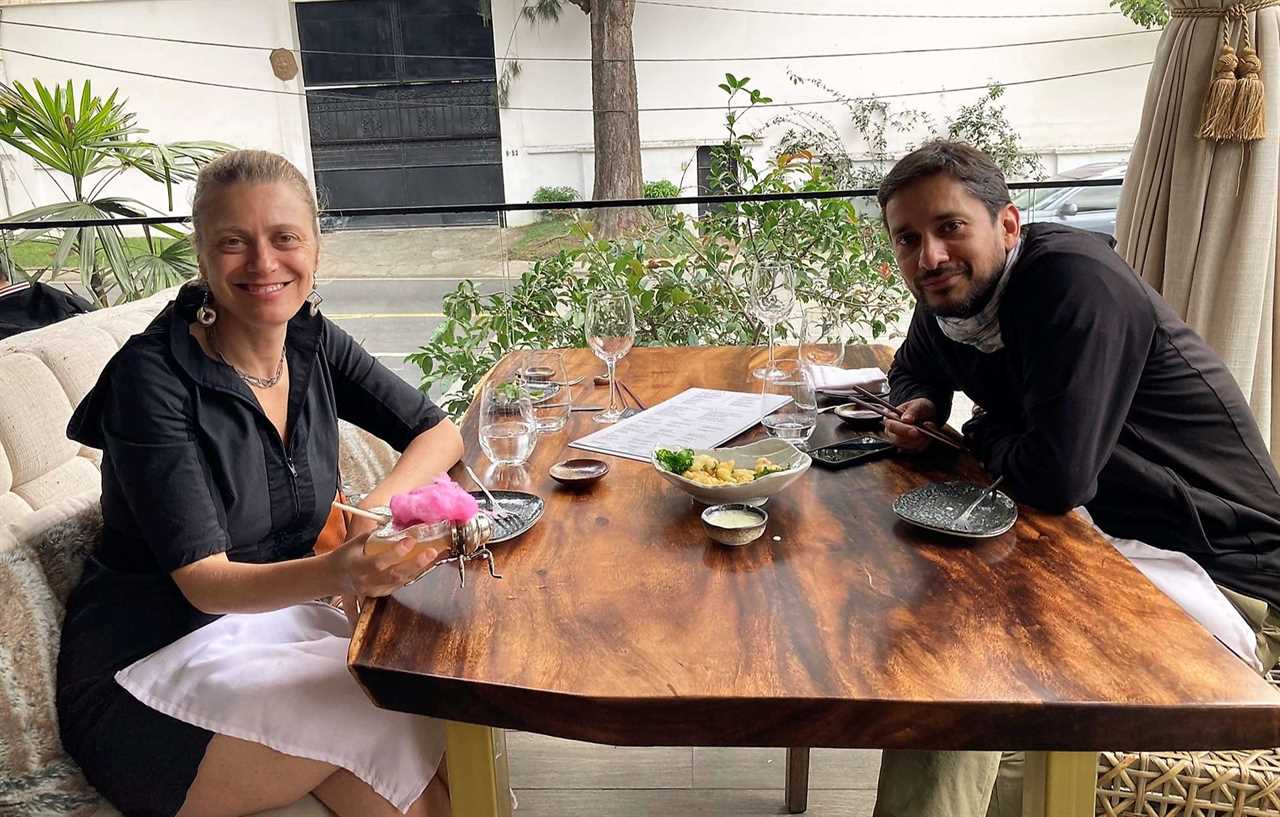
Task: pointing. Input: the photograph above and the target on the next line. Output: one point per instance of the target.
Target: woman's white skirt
(280, 679)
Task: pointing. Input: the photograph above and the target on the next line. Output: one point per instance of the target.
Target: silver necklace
(252, 380)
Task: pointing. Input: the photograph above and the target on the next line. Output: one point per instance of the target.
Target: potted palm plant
(85, 142)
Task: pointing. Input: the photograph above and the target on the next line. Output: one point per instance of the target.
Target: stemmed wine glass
(611, 329)
(770, 295)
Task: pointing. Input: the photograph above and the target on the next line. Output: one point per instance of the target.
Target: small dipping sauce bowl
(578, 472)
(539, 373)
(734, 523)
(857, 417)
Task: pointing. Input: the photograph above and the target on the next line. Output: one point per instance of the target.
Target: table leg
(797, 788)
(477, 758)
(1060, 784)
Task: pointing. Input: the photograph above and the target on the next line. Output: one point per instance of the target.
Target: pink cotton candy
(442, 500)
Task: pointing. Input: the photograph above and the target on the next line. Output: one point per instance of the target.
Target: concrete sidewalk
(427, 252)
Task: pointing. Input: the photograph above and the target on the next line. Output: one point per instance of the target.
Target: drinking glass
(821, 336)
(770, 295)
(542, 373)
(611, 329)
(794, 420)
(508, 427)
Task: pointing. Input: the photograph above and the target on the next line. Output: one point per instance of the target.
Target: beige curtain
(1197, 218)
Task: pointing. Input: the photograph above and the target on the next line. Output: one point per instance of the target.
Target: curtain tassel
(1248, 111)
(1219, 104)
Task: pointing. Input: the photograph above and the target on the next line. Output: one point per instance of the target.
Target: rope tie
(1235, 105)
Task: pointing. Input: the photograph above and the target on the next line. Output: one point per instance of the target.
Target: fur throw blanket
(41, 559)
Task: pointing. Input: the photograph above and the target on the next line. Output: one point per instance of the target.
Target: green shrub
(687, 277)
(555, 195)
(661, 189)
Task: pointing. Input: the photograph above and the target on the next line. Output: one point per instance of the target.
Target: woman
(218, 426)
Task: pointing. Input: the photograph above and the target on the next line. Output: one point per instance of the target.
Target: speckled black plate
(541, 391)
(936, 505)
(526, 507)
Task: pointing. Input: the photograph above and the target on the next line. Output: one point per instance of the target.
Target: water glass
(821, 336)
(771, 294)
(611, 329)
(793, 421)
(542, 373)
(508, 427)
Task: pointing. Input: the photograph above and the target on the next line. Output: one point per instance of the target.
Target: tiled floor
(562, 778)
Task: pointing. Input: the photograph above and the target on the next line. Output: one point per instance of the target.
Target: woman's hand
(361, 574)
(905, 436)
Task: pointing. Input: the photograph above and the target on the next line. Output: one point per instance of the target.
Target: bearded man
(1090, 392)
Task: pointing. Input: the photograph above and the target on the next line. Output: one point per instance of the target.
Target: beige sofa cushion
(34, 410)
(43, 376)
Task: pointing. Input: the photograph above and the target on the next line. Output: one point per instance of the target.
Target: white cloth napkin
(833, 378)
(1191, 588)
(280, 679)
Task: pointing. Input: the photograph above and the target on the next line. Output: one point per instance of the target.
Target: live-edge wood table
(618, 621)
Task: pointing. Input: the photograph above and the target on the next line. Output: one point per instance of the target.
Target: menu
(694, 418)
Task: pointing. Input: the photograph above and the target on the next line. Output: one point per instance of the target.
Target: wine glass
(795, 419)
(770, 295)
(611, 329)
(508, 427)
(821, 336)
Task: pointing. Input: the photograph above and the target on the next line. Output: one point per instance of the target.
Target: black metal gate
(396, 119)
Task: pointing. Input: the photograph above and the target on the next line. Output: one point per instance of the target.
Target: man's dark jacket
(1103, 397)
(24, 307)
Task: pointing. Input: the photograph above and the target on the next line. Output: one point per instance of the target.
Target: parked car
(1089, 208)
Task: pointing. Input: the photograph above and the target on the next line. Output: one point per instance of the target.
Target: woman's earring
(205, 313)
(315, 299)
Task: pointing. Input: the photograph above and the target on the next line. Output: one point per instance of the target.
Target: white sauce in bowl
(734, 519)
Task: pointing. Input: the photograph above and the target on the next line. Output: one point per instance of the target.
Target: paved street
(392, 317)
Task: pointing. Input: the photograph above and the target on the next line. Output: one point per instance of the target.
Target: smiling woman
(194, 627)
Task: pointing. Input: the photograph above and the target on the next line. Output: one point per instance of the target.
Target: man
(25, 306)
(1090, 392)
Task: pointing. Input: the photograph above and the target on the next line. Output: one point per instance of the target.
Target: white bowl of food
(770, 464)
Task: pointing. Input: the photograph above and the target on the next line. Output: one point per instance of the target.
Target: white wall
(171, 111)
(1071, 121)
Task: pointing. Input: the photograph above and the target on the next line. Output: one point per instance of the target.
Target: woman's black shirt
(193, 467)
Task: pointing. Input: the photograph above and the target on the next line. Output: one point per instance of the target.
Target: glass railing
(437, 305)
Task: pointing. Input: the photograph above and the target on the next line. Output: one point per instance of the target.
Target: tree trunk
(616, 118)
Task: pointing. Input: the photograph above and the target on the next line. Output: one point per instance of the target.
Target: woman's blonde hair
(247, 167)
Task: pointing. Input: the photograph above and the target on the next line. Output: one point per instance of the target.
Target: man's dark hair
(964, 163)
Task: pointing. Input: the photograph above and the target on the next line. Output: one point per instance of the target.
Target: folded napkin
(833, 378)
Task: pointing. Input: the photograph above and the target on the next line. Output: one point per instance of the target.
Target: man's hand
(905, 436)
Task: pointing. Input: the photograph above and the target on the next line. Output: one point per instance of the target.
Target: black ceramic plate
(936, 505)
(528, 507)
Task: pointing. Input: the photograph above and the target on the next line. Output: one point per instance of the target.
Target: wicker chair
(1190, 784)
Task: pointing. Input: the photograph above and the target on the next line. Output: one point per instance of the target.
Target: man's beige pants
(974, 784)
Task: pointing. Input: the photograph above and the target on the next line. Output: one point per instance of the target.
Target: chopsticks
(632, 394)
(884, 408)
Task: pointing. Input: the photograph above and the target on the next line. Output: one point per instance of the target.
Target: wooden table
(618, 621)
